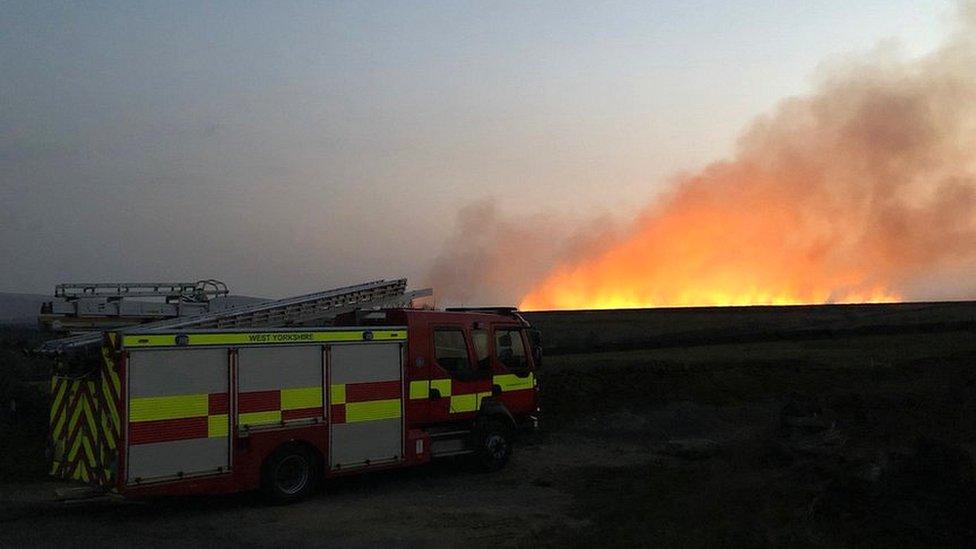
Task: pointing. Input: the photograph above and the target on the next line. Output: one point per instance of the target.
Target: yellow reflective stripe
(464, 403)
(73, 451)
(109, 436)
(89, 409)
(512, 382)
(168, 407)
(58, 389)
(419, 389)
(110, 369)
(262, 338)
(372, 410)
(79, 409)
(217, 426)
(88, 449)
(81, 443)
(304, 397)
(442, 385)
(337, 394)
(59, 424)
(111, 405)
(259, 418)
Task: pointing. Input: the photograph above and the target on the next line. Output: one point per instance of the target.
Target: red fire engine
(219, 411)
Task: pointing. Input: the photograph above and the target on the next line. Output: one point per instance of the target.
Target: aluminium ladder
(199, 291)
(292, 311)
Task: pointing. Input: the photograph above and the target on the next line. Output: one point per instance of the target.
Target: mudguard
(494, 409)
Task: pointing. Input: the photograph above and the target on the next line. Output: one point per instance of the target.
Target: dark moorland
(810, 426)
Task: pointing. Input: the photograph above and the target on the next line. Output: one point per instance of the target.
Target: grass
(24, 381)
(733, 374)
(902, 405)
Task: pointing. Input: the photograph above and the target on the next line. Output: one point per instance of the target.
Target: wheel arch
(297, 443)
(492, 409)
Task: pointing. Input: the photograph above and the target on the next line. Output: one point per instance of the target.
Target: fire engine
(220, 410)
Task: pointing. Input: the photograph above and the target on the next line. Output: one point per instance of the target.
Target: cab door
(513, 379)
(457, 383)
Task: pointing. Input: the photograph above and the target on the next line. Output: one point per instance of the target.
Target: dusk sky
(291, 147)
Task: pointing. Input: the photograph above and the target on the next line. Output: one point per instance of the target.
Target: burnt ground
(850, 438)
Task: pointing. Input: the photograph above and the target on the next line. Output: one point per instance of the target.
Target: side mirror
(535, 338)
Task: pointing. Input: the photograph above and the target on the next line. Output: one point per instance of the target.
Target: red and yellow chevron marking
(355, 402)
(111, 388)
(177, 417)
(255, 408)
(84, 423)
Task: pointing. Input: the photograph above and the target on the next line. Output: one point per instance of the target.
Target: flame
(733, 236)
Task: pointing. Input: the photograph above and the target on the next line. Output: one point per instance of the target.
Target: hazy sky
(289, 147)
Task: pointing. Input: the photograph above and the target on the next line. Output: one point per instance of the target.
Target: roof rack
(293, 311)
(88, 306)
(199, 291)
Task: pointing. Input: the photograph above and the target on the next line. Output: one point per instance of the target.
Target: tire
(289, 475)
(494, 445)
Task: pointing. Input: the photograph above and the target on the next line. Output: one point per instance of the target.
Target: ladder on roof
(292, 311)
(85, 306)
(202, 290)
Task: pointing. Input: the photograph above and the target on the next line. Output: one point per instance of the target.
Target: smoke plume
(492, 259)
(864, 190)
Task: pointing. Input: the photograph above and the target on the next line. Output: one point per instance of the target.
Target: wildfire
(696, 250)
(853, 193)
(862, 191)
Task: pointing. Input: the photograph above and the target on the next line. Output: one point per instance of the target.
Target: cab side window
(510, 350)
(451, 352)
(480, 340)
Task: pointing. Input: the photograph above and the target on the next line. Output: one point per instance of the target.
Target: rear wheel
(289, 475)
(494, 445)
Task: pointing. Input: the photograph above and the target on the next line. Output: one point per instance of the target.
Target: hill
(20, 308)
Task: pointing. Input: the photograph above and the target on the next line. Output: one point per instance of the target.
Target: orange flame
(734, 236)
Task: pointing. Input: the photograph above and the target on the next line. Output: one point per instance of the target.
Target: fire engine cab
(228, 410)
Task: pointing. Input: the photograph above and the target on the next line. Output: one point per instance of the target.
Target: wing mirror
(535, 338)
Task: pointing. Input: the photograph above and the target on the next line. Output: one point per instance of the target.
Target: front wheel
(494, 446)
(289, 475)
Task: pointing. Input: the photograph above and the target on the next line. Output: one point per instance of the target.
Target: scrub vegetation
(24, 384)
(858, 440)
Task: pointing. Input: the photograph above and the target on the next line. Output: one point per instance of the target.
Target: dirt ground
(845, 439)
(443, 504)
